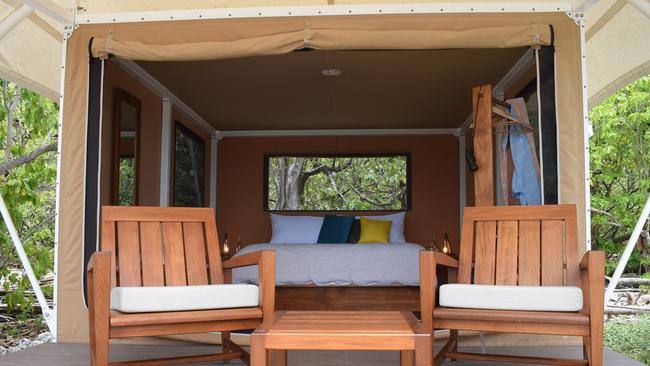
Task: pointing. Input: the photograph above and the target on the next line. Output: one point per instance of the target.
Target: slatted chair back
(520, 246)
(154, 246)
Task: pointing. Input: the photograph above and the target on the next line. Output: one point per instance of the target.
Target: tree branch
(601, 212)
(363, 198)
(6, 167)
(309, 173)
(327, 170)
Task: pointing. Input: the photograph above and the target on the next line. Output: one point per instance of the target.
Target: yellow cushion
(374, 231)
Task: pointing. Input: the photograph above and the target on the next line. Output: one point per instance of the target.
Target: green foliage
(127, 182)
(344, 183)
(620, 173)
(631, 337)
(28, 189)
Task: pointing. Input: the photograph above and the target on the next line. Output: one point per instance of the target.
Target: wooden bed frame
(314, 298)
(352, 298)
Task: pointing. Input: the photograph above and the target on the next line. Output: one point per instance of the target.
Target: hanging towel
(525, 178)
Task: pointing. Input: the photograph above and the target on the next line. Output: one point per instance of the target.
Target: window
(189, 168)
(126, 144)
(337, 183)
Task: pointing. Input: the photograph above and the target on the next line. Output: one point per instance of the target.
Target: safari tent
(247, 79)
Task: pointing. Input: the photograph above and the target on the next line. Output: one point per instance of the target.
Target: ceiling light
(331, 72)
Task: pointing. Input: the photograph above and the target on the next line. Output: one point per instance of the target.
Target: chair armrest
(100, 260)
(592, 274)
(445, 260)
(265, 260)
(429, 261)
(266, 276)
(99, 292)
(592, 258)
(248, 259)
(427, 290)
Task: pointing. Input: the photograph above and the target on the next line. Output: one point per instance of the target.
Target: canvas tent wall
(283, 34)
(619, 51)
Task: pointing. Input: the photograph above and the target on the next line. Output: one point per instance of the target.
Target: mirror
(126, 121)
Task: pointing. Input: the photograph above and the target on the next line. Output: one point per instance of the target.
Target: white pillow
(396, 234)
(295, 229)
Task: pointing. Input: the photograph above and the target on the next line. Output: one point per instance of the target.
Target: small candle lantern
(225, 250)
(446, 245)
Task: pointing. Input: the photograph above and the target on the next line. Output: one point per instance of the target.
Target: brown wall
(150, 136)
(150, 127)
(434, 182)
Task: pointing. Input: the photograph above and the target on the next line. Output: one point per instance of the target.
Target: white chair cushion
(182, 298)
(526, 298)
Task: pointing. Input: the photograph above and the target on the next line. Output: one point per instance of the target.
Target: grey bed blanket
(394, 264)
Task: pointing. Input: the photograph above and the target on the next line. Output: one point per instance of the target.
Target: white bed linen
(394, 264)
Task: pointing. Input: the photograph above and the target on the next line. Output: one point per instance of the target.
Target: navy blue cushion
(355, 232)
(335, 229)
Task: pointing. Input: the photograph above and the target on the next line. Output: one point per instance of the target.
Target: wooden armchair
(159, 272)
(529, 256)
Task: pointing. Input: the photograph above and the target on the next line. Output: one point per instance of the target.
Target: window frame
(265, 179)
(122, 95)
(206, 154)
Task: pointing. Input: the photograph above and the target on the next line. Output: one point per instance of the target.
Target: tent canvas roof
(617, 46)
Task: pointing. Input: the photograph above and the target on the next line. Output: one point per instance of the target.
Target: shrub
(629, 336)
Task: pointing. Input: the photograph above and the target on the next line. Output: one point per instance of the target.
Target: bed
(341, 276)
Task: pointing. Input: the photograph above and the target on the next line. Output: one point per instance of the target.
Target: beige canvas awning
(617, 42)
(618, 46)
(30, 43)
(323, 36)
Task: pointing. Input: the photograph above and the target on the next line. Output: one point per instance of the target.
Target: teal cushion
(335, 229)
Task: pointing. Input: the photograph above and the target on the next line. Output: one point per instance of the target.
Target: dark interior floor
(77, 355)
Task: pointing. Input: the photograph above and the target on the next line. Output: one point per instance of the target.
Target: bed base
(351, 298)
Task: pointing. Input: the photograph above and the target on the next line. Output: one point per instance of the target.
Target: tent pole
(165, 150)
(48, 314)
(634, 238)
(52, 10)
(14, 18)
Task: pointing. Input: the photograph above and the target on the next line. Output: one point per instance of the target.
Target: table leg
(258, 350)
(406, 358)
(423, 350)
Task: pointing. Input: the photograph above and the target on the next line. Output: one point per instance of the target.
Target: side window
(371, 182)
(189, 168)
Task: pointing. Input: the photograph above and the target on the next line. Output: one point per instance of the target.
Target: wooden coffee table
(342, 330)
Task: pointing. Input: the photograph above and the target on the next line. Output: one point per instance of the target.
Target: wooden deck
(77, 355)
